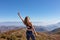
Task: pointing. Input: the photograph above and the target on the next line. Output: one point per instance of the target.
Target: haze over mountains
(41, 27)
(55, 31)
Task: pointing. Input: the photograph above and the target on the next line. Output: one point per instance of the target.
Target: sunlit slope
(19, 34)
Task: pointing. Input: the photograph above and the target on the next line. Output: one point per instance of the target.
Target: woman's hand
(19, 14)
(35, 34)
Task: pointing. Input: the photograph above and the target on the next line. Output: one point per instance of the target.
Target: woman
(30, 29)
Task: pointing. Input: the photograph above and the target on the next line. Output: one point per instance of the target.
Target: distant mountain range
(11, 24)
(38, 26)
(7, 28)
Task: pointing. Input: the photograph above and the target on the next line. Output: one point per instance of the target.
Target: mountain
(7, 28)
(43, 27)
(53, 26)
(15, 31)
(40, 29)
(11, 24)
(20, 34)
(39, 26)
(56, 31)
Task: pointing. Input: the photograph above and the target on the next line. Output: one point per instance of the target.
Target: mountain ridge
(19, 34)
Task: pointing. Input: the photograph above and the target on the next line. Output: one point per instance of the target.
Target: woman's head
(27, 20)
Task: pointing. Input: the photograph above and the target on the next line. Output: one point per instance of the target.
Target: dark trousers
(29, 34)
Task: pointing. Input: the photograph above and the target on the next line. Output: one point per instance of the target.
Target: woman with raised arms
(30, 28)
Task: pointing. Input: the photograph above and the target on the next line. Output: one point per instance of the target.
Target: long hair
(26, 21)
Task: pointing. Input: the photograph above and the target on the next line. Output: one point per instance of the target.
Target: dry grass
(20, 35)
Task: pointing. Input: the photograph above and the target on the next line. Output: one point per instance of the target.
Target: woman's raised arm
(20, 17)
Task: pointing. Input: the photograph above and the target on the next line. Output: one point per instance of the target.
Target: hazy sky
(37, 10)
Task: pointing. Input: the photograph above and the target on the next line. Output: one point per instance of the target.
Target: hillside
(19, 34)
(56, 31)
